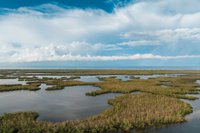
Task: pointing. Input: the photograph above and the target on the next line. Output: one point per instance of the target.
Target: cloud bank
(34, 57)
(152, 30)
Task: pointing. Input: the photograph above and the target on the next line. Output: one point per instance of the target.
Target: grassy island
(158, 103)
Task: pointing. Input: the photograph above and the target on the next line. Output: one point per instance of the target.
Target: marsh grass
(179, 86)
(153, 107)
(30, 87)
(60, 84)
(78, 72)
(138, 111)
(28, 78)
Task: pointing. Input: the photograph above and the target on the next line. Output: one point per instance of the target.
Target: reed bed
(155, 106)
(129, 111)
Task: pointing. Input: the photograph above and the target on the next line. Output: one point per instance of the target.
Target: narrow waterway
(191, 126)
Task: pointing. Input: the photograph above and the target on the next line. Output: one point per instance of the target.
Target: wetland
(34, 101)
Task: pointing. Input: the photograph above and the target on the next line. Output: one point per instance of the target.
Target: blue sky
(100, 33)
(107, 5)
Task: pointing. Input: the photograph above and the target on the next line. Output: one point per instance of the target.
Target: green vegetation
(180, 86)
(73, 72)
(60, 84)
(155, 106)
(129, 111)
(27, 78)
(30, 87)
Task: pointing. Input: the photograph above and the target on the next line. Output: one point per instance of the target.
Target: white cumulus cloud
(49, 32)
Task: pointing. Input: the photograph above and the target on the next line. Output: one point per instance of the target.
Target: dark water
(71, 103)
(191, 126)
(67, 104)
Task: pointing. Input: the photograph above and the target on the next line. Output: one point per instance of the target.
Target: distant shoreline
(107, 68)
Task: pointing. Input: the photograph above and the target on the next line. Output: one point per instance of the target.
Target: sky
(99, 33)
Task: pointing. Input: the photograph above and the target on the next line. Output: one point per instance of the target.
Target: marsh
(99, 102)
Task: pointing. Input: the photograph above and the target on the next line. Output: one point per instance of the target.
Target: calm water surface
(89, 78)
(71, 103)
(67, 104)
(11, 82)
(95, 78)
(124, 77)
(157, 76)
(191, 126)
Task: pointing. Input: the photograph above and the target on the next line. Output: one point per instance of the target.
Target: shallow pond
(124, 77)
(54, 77)
(88, 79)
(157, 76)
(95, 78)
(67, 104)
(121, 77)
(11, 82)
